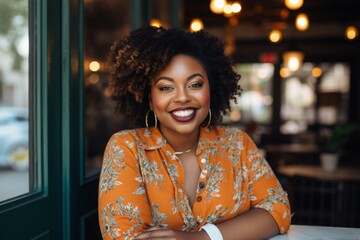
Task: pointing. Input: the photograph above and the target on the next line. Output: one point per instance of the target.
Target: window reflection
(315, 97)
(105, 22)
(255, 103)
(14, 124)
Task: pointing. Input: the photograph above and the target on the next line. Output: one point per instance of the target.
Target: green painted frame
(63, 202)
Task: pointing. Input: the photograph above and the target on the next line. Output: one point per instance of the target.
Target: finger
(153, 229)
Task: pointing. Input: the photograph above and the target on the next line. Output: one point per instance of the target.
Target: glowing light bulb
(293, 60)
(196, 25)
(302, 22)
(155, 22)
(294, 4)
(236, 7)
(284, 72)
(275, 36)
(94, 66)
(217, 6)
(351, 33)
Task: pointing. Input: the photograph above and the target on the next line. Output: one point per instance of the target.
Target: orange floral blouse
(142, 183)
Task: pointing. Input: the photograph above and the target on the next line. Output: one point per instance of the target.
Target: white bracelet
(213, 231)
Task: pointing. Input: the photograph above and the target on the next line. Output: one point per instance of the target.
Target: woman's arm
(269, 212)
(123, 206)
(254, 224)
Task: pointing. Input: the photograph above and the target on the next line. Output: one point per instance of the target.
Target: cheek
(156, 104)
(205, 98)
(156, 101)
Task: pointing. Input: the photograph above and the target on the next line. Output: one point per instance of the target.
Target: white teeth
(183, 113)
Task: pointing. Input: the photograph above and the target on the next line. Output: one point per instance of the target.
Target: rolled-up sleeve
(265, 190)
(123, 208)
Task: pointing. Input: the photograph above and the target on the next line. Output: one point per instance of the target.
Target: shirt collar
(152, 138)
(206, 139)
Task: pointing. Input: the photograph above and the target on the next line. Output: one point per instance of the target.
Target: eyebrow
(188, 78)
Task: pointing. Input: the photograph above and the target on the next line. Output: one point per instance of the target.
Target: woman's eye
(196, 85)
(165, 88)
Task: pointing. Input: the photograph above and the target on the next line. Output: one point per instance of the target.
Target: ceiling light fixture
(275, 36)
(351, 33)
(236, 7)
(155, 22)
(293, 60)
(294, 4)
(217, 6)
(229, 9)
(196, 25)
(302, 22)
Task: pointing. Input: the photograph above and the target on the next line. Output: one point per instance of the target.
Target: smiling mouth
(183, 115)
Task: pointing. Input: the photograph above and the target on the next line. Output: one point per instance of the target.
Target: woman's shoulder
(230, 134)
(141, 137)
(129, 134)
(229, 131)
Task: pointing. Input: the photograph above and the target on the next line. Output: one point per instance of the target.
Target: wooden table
(302, 232)
(316, 172)
(323, 198)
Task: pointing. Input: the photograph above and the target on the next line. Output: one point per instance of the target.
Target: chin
(187, 129)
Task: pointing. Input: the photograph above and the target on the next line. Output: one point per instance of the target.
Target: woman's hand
(155, 233)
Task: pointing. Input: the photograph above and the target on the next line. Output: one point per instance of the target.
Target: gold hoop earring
(209, 122)
(146, 119)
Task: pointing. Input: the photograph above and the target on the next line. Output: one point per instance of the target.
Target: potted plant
(334, 143)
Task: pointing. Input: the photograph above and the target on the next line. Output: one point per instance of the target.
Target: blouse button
(203, 160)
(199, 198)
(201, 184)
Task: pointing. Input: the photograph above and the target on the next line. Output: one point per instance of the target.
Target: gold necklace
(186, 151)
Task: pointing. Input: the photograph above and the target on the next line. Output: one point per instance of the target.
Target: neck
(182, 143)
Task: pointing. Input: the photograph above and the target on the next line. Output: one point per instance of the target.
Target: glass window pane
(315, 94)
(105, 22)
(255, 102)
(14, 92)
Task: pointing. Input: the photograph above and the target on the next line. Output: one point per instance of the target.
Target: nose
(182, 96)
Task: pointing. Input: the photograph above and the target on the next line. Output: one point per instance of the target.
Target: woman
(178, 175)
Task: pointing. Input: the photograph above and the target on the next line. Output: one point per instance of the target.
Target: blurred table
(316, 172)
(323, 198)
(301, 232)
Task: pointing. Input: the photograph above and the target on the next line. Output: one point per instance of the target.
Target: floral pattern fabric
(142, 183)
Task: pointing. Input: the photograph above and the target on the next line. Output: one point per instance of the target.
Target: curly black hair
(135, 61)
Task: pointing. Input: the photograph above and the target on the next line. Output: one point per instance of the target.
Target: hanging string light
(351, 33)
(302, 22)
(217, 6)
(294, 4)
(196, 25)
(224, 7)
(275, 36)
(293, 60)
(155, 22)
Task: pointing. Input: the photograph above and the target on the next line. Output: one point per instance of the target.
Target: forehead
(183, 62)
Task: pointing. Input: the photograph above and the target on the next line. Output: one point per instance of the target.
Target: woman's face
(180, 96)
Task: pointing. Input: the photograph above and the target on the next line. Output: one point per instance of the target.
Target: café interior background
(301, 90)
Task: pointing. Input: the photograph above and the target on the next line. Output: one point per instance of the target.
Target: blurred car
(14, 138)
